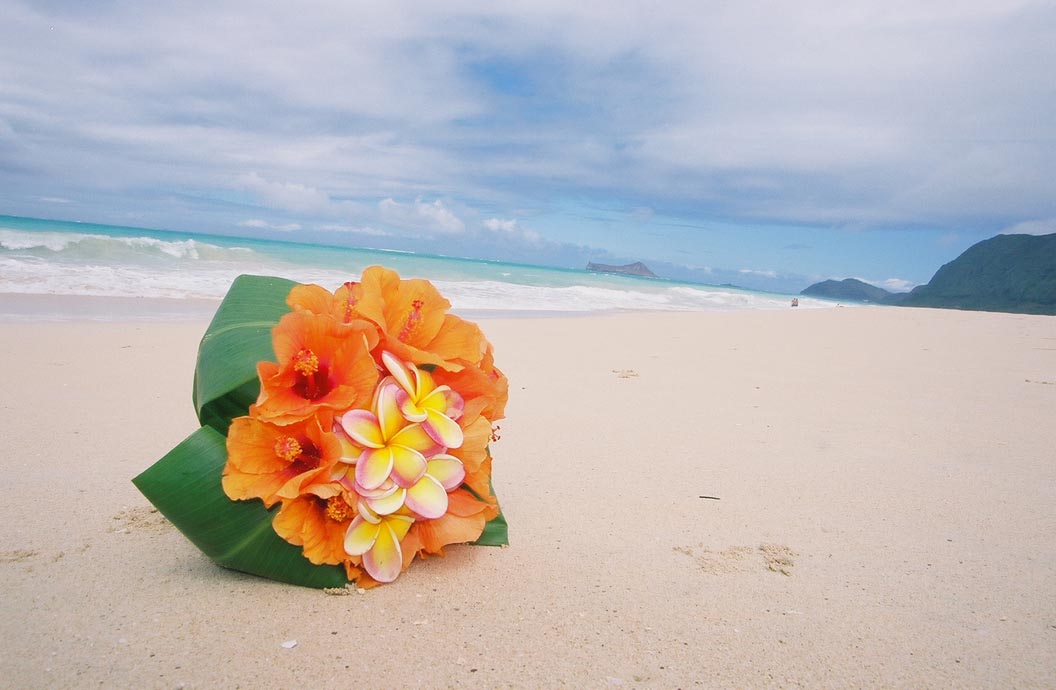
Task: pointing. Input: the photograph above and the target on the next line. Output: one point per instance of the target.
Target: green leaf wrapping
(225, 380)
(185, 484)
(185, 487)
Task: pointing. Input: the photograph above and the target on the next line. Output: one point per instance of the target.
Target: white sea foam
(86, 246)
(95, 264)
(490, 295)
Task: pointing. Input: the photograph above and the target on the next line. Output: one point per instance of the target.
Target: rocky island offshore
(635, 269)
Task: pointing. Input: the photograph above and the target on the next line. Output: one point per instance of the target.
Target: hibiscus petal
(361, 536)
(374, 467)
(363, 427)
(447, 470)
(386, 505)
(427, 498)
(385, 559)
(408, 466)
(443, 429)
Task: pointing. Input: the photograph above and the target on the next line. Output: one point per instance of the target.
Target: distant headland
(848, 289)
(635, 269)
(1009, 273)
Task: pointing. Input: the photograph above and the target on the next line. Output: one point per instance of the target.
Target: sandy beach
(858, 497)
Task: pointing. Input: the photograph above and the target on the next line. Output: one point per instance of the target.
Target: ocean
(58, 258)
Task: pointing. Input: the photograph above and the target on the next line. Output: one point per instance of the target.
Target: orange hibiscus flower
(339, 305)
(463, 522)
(321, 365)
(475, 439)
(483, 387)
(413, 320)
(272, 462)
(318, 525)
(480, 483)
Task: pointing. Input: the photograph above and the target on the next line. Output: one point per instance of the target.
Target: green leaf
(496, 532)
(225, 380)
(185, 487)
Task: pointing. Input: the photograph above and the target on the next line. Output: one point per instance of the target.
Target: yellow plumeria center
(305, 362)
(338, 510)
(288, 448)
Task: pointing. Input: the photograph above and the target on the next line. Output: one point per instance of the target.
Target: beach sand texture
(885, 516)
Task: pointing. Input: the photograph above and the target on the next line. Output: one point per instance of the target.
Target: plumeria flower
(420, 400)
(427, 498)
(377, 539)
(393, 447)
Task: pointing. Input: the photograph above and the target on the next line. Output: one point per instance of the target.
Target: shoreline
(30, 308)
(885, 515)
(51, 308)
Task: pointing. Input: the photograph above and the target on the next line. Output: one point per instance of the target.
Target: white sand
(886, 516)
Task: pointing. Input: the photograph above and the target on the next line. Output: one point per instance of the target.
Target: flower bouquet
(343, 433)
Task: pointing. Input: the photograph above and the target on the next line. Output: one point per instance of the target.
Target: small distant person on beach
(795, 301)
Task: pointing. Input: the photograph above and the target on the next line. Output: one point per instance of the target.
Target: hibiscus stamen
(287, 448)
(314, 382)
(350, 301)
(414, 318)
(305, 362)
(338, 510)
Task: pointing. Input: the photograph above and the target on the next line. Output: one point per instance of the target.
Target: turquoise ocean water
(45, 257)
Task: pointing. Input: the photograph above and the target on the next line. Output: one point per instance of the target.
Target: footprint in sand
(776, 558)
(17, 556)
(139, 519)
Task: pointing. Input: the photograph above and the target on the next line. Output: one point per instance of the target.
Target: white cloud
(421, 215)
(500, 225)
(288, 196)
(362, 230)
(754, 272)
(1045, 226)
(511, 228)
(258, 224)
(897, 285)
(54, 200)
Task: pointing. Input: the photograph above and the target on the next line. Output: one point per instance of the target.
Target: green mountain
(1012, 273)
(850, 289)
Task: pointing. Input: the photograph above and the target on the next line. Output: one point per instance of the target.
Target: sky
(764, 144)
